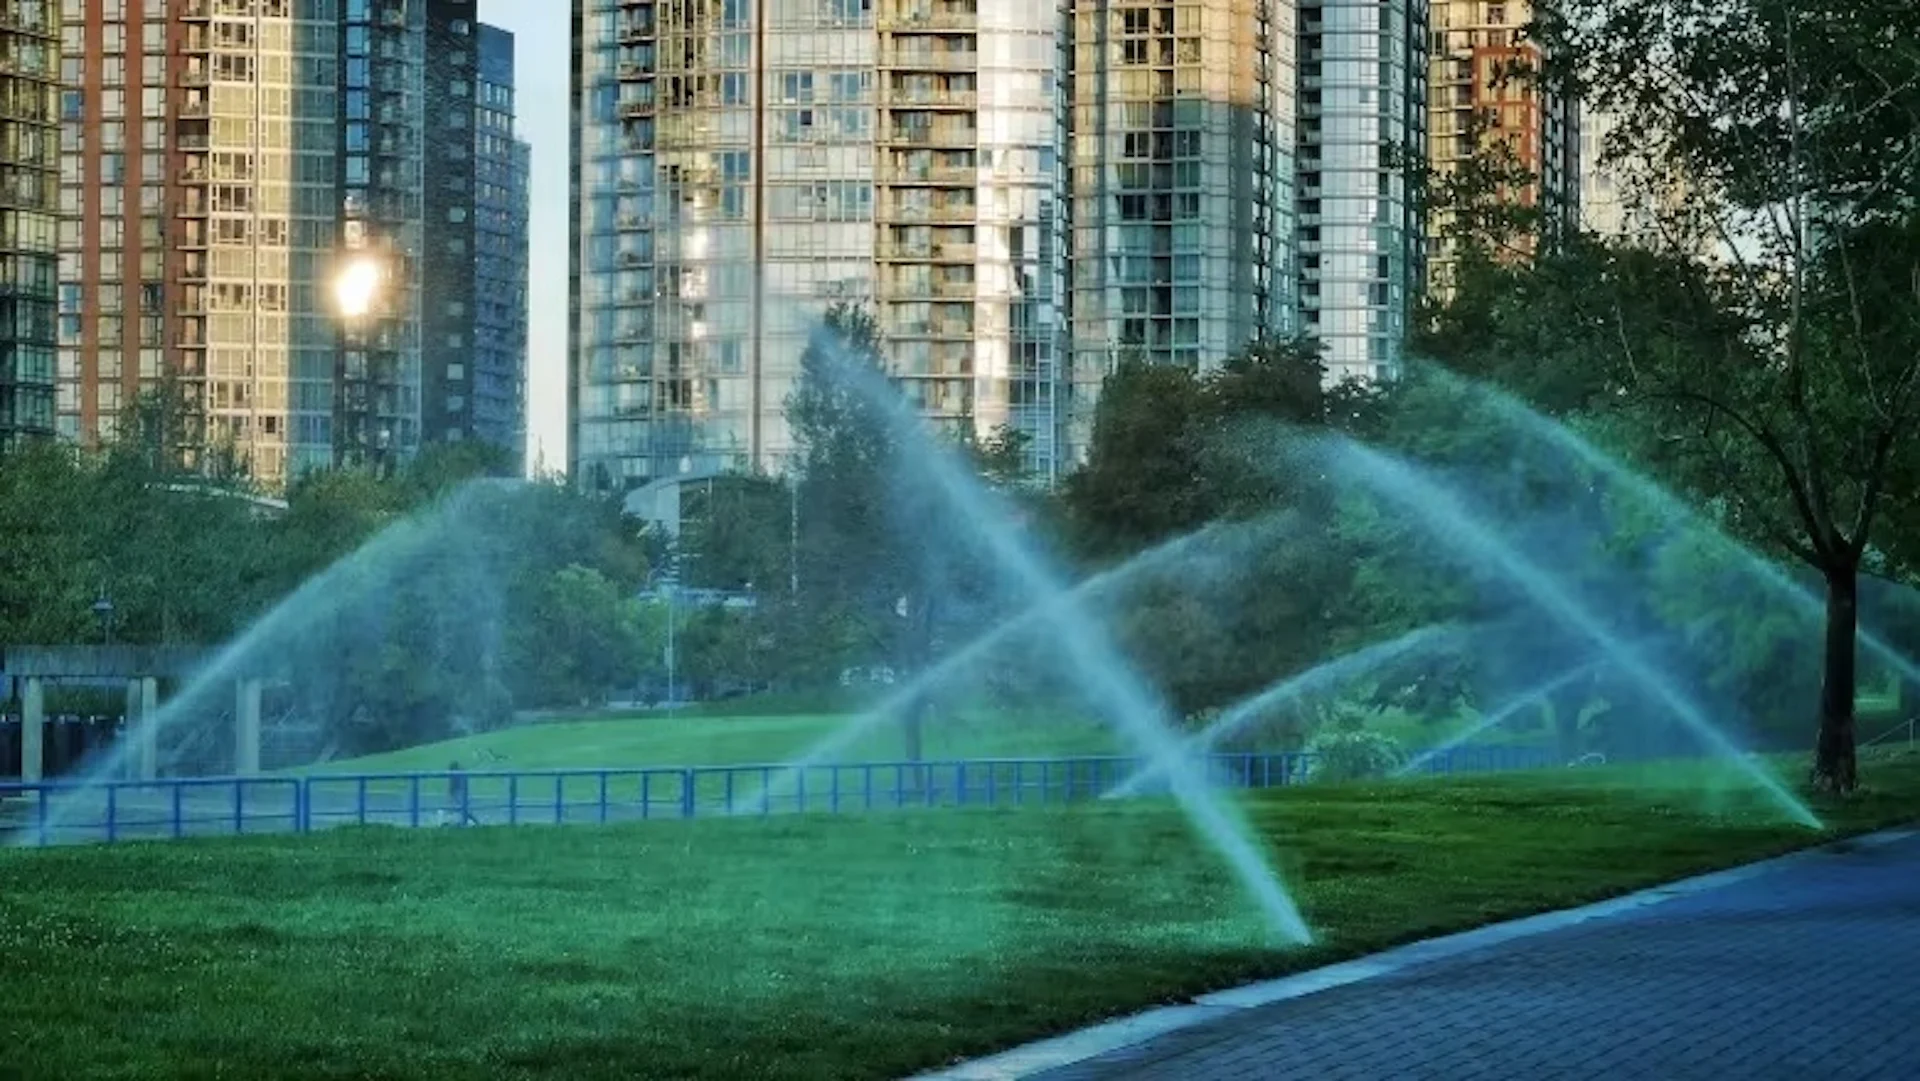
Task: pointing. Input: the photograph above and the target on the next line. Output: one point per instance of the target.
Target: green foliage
(736, 534)
(579, 635)
(1352, 754)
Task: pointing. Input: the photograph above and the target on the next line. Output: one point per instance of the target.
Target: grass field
(710, 737)
(660, 739)
(799, 947)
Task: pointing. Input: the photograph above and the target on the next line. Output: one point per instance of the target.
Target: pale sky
(542, 56)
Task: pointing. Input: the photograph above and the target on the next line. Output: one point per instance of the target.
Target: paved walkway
(1810, 972)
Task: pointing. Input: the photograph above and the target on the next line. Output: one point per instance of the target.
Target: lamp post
(103, 611)
(667, 578)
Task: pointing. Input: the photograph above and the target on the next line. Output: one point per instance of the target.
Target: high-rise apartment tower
(1483, 97)
(1183, 183)
(740, 167)
(225, 165)
(29, 204)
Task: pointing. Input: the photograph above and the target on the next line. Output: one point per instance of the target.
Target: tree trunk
(1833, 757)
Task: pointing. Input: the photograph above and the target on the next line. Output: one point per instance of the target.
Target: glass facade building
(29, 206)
(1183, 183)
(741, 166)
(1022, 194)
(500, 207)
(1479, 47)
(221, 163)
(1363, 121)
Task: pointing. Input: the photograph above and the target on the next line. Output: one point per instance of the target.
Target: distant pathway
(1810, 972)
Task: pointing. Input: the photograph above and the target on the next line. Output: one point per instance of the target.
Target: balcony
(926, 253)
(930, 289)
(936, 136)
(959, 175)
(906, 98)
(634, 33)
(194, 11)
(629, 70)
(633, 110)
(927, 60)
(929, 20)
(914, 215)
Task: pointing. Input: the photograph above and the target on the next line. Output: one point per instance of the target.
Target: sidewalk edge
(1080, 1045)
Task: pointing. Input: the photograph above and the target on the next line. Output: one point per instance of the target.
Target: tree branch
(1761, 434)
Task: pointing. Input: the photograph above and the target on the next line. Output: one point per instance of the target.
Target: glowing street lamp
(357, 286)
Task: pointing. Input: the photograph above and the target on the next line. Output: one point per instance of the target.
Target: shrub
(1352, 755)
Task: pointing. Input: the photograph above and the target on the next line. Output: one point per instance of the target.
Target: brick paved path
(1808, 973)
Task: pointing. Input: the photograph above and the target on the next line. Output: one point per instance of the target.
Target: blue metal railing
(54, 812)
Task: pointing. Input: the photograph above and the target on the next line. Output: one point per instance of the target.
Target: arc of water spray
(1104, 674)
(1452, 523)
(1152, 561)
(321, 593)
(1513, 705)
(1249, 709)
(1558, 435)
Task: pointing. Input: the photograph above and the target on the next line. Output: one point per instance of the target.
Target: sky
(542, 56)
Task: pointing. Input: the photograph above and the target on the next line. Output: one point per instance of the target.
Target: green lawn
(659, 739)
(796, 947)
(709, 738)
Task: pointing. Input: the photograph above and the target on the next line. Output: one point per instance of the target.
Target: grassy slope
(665, 740)
(800, 947)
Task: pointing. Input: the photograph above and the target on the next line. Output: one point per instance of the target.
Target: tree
(1782, 368)
(735, 533)
(578, 638)
(1141, 483)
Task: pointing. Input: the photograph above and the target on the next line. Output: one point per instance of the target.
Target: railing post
(727, 796)
(603, 797)
(179, 819)
(867, 783)
(646, 793)
(239, 807)
(40, 817)
(1019, 782)
(113, 813)
(413, 801)
(833, 800)
(360, 800)
(513, 799)
(559, 799)
(800, 790)
(960, 784)
(687, 793)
